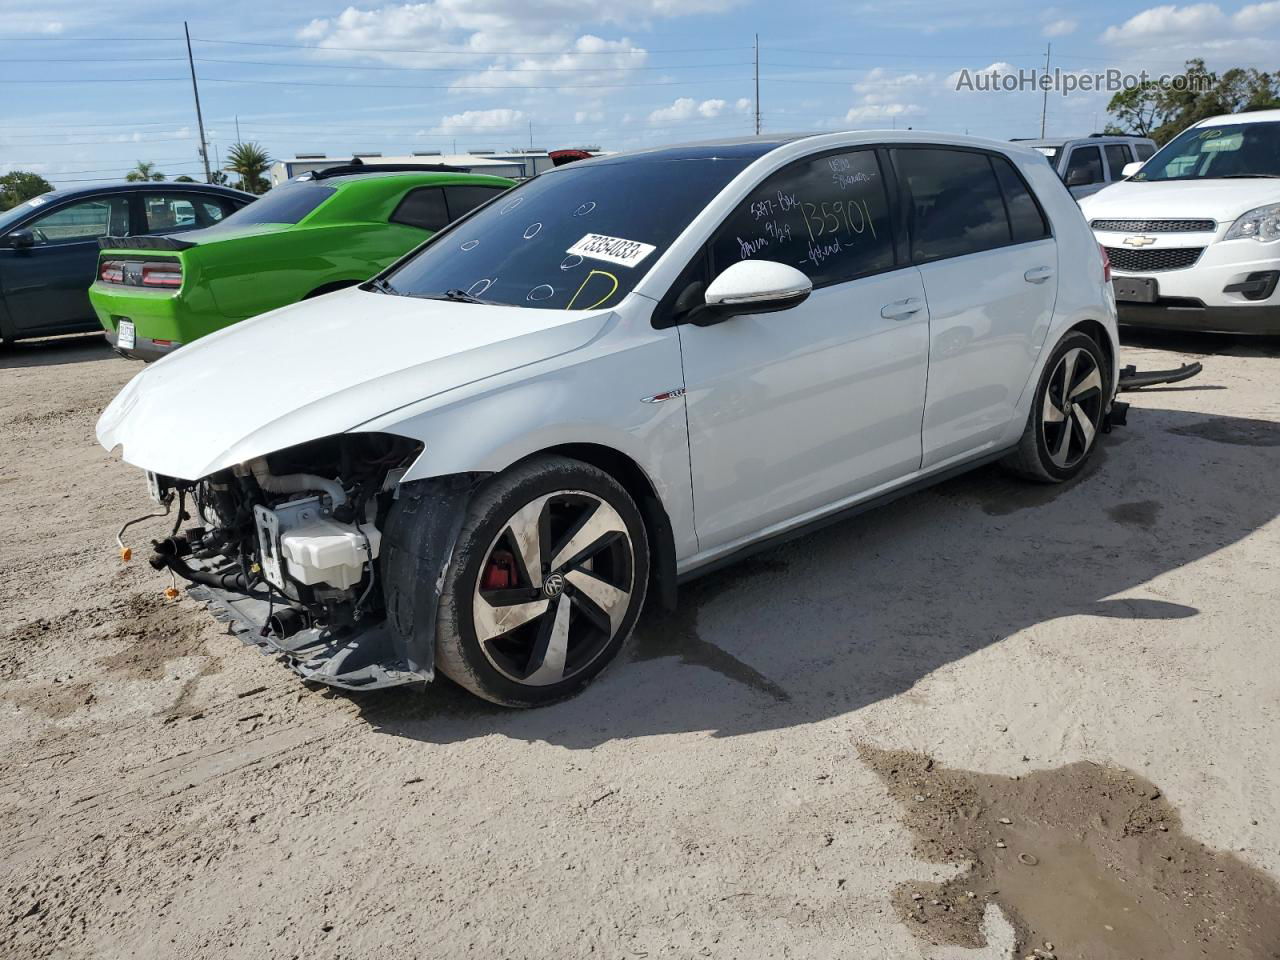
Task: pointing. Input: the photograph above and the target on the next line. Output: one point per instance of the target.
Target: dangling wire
(125, 553)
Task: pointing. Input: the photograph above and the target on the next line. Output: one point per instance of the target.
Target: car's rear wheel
(1067, 413)
(545, 585)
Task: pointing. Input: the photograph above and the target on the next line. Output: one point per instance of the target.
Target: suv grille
(1146, 261)
(1156, 226)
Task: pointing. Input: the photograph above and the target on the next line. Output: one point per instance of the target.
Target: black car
(49, 245)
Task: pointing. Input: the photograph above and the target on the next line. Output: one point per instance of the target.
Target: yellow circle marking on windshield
(603, 273)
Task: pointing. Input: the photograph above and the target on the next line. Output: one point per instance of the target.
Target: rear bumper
(143, 348)
(1262, 319)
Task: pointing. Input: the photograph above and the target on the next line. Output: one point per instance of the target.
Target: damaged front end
(288, 549)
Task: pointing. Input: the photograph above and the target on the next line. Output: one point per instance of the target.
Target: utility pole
(1044, 103)
(531, 136)
(204, 147)
(238, 140)
(757, 84)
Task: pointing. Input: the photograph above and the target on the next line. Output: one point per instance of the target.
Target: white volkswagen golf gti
(610, 378)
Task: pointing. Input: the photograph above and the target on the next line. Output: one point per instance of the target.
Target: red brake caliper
(500, 574)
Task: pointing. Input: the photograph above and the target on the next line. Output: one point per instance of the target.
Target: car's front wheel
(546, 582)
(1067, 413)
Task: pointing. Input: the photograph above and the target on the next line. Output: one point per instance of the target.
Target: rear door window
(1026, 219)
(1117, 158)
(462, 200)
(424, 208)
(1088, 159)
(954, 203)
(828, 216)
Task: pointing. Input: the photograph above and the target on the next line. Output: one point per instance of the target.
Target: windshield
(287, 204)
(1226, 150)
(579, 238)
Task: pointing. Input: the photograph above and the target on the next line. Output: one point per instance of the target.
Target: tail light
(1106, 264)
(165, 274)
(139, 273)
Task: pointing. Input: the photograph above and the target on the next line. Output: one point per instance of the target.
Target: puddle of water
(1234, 430)
(1140, 513)
(1094, 861)
(675, 634)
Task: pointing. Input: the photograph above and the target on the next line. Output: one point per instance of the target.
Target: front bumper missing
(361, 658)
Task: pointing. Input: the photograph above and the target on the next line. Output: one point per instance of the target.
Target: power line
(473, 86)
(492, 69)
(474, 53)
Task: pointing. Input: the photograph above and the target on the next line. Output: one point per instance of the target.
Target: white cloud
(1199, 23)
(593, 62)
(882, 111)
(997, 69)
(686, 108)
(1060, 28)
(502, 119)
(588, 116)
(881, 86)
(743, 105)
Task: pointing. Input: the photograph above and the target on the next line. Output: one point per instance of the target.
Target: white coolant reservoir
(322, 550)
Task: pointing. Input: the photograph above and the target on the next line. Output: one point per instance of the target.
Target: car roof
(150, 186)
(1253, 116)
(1063, 141)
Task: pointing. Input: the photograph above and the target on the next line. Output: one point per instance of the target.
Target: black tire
(1038, 455)
(514, 668)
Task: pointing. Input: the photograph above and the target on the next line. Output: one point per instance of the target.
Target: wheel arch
(634, 479)
(1099, 334)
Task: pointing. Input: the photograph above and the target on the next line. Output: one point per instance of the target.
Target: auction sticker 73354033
(625, 253)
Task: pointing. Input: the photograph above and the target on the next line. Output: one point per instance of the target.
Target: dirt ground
(740, 786)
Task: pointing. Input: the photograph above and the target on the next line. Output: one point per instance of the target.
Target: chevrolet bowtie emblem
(1138, 241)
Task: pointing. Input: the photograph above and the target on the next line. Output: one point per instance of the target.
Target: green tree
(1162, 112)
(19, 186)
(185, 179)
(249, 162)
(144, 171)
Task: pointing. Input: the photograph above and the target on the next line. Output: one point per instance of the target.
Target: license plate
(125, 338)
(1135, 289)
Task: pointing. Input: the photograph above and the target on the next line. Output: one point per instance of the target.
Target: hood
(1220, 200)
(318, 368)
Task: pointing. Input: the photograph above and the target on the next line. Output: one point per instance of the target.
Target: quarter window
(1026, 219)
(165, 214)
(827, 216)
(954, 206)
(462, 200)
(1088, 159)
(87, 220)
(423, 208)
(1145, 151)
(1117, 157)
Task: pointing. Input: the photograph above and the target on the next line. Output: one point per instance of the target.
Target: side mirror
(20, 239)
(1079, 177)
(1131, 168)
(752, 286)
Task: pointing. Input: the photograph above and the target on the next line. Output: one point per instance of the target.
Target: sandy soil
(165, 791)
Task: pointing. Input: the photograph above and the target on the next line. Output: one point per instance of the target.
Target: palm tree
(145, 170)
(249, 161)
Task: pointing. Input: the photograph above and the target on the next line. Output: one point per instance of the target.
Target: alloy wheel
(554, 588)
(1072, 411)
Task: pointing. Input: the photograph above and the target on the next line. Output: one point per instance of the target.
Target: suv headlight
(1260, 223)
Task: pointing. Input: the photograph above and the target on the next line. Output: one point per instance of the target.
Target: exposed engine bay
(286, 549)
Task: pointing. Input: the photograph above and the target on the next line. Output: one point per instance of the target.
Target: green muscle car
(322, 232)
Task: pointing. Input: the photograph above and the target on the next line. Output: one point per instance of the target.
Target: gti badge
(1138, 241)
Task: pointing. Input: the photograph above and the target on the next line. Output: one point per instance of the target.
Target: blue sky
(87, 88)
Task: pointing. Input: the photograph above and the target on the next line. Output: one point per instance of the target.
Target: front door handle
(1038, 274)
(902, 309)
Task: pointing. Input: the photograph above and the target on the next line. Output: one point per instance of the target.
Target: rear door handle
(901, 309)
(1038, 274)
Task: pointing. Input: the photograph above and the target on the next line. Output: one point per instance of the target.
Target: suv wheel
(1066, 414)
(545, 585)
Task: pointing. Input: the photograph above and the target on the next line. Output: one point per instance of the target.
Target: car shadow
(866, 608)
(1200, 344)
(54, 351)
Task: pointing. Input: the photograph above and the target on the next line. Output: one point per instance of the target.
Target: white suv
(618, 374)
(1194, 233)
